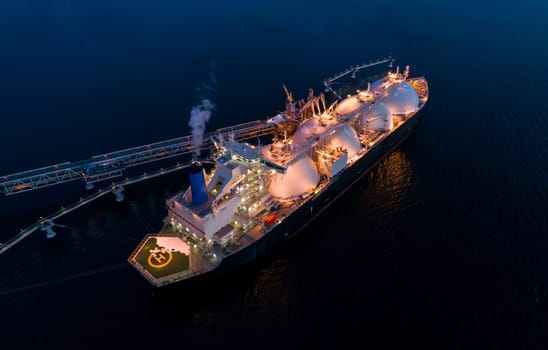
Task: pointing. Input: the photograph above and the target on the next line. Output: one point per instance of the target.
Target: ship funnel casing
(401, 99)
(300, 177)
(197, 184)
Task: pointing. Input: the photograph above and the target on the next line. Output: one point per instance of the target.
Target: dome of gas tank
(346, 138)
(300, 177)
(401, 98)
(378, 118)
(348, 105)
(307, 130)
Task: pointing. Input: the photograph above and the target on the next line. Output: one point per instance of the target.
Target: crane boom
(288, 94)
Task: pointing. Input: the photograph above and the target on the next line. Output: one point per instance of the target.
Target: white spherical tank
(300, 177)
(379, 118)
(401, 99)
(348, 105)
(346, 138)
(307, 130)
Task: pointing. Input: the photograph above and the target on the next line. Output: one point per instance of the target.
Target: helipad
(161, 255)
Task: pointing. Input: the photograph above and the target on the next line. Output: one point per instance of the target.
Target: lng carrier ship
(255, 196)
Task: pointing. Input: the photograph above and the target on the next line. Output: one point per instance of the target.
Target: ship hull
(306, 213)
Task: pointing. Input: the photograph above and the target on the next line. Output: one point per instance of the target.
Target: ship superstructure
(255, 196)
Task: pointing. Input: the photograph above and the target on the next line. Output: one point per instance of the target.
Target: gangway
(112, 165)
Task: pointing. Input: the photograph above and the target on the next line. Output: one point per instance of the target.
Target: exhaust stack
(197, 184)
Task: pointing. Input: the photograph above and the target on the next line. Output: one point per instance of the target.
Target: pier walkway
(112, 165)
(353, 70)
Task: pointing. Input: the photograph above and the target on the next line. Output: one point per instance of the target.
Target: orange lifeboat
(270, 219)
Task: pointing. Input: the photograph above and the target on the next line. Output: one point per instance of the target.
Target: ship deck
(164, 258)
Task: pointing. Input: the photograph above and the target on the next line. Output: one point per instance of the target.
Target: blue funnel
(197, 184)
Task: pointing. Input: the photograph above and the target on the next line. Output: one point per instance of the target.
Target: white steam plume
(200, 114)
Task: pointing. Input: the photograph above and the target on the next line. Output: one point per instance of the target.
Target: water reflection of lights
(390, 182)
(394, 172)
(271, 291)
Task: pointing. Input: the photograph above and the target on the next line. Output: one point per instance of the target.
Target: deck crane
(288, 94)
(290, 104)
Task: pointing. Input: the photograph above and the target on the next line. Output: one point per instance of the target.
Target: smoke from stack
(200, 113)
(199, 116)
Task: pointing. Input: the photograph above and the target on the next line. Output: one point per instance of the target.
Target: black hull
(312, 208)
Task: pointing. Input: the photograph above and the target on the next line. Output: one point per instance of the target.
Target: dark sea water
(443, 245)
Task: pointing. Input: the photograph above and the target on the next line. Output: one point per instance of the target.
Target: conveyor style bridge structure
(112, 165)
(353, 70)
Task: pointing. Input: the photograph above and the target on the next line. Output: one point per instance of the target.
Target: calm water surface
(443, 245)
